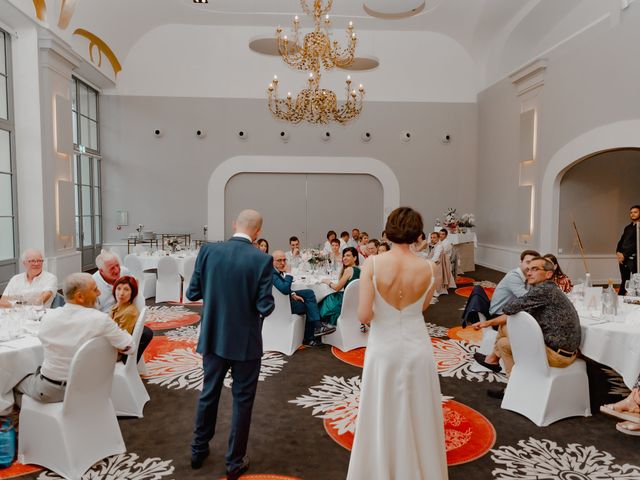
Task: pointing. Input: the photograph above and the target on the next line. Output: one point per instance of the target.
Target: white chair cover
(71, 436)
(146, 280)
(188, 266)
(539, 392)
(168, 288)
(348, 335)
(139, 250)
(282, 331)
(128, 392)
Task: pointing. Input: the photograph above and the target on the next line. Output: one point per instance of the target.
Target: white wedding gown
(400, 428)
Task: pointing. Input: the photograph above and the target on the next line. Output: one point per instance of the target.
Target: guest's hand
(620, 257)
(485, 324)
(297, 298)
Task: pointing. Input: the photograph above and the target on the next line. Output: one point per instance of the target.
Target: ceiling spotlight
(200, 1)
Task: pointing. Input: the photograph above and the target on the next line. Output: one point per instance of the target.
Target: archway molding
(290, 164)
(613, 136)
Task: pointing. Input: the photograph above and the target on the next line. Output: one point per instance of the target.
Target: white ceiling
(489, 30)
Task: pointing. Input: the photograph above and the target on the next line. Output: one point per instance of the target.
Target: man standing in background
(626, 250)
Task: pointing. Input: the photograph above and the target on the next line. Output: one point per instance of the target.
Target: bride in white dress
(400, 428)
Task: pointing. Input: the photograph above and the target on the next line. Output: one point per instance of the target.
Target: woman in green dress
(331, 306)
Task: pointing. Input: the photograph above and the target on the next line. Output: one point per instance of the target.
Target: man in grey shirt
(552, 310)
(513, 284)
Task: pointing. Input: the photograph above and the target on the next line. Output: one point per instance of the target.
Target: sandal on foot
(629, 416)
(629, 428)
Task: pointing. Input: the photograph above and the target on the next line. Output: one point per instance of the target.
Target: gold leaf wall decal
(41, 9)
(102, 47)
(67, 9)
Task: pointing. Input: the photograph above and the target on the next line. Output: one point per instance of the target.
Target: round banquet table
(150, 262)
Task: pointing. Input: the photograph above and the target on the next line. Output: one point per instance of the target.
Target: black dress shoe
(481, 359)
(237, 473)
(197, 459)
(324, 330)
(496, 393)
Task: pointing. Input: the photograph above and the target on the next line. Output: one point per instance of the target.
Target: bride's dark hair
(404, 225)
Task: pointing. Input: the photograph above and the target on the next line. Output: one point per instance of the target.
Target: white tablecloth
(615, 344)
(312, 282)
(150, 262)
(18, 358)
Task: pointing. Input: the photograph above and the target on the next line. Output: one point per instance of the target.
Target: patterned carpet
(307, 404)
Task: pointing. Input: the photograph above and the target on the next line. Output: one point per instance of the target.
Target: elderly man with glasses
(302, 301)
(553, 311)
(34, 285)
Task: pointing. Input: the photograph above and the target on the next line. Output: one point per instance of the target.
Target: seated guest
(293, 255)
(372, 247)
(355, 238)
(559, 277)
(63, 331)
(627, 409)
(344, 240)
(513, 284)
(383, 237)
(327, 245)
(435, 248)
(303, 302)
(125, 313)
(442, 271)
(331, 305)
(383, 247)
(263, 245)
(362, 244)
(109, 270)
(421, 245)
(447, 246)
(335, 255)
(552, 310)
(34, 285)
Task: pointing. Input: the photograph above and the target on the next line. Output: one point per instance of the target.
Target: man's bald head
(248, 222)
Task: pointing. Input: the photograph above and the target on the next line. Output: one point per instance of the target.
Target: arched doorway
(272, 164)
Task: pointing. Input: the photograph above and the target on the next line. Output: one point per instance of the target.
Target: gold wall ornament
(316, 51)
(67, 9)
(41, 9)
(102, 47)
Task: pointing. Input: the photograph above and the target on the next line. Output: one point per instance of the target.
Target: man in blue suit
(235, 280)
(302, 301)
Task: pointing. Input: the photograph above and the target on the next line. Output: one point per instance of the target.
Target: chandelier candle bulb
(361, 88)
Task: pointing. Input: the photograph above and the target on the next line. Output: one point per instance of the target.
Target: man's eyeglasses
(35, 262)
(280, 260)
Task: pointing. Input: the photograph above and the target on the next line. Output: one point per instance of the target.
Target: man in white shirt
(446, 243)
(293, 255)
(109, 270)
(355, 238)
(436, 248)
(63, 331)
(34, 285)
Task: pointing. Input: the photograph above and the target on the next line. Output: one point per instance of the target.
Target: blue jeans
(309, 308)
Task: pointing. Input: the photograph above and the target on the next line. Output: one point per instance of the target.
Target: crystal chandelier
(315, 104)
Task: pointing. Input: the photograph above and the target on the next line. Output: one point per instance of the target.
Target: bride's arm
(427, 300)
(365, 304)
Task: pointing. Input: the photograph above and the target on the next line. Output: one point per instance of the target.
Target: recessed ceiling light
(200, 1)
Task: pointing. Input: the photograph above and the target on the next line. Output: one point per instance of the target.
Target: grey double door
(306, 205)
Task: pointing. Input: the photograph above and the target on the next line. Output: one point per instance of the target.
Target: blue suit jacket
(235, 280)
(282, 284)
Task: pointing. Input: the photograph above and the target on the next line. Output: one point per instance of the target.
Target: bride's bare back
(401, 280)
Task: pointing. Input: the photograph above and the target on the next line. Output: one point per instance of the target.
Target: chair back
(137, 333)
(58, 301)
(282, 305)
(134, 265)
(90, 377)
(188, 266)
(350, 300)
(167, 268)
(527, 343)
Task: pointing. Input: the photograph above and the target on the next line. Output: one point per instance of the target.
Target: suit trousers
(309, 308)
(245, 382)
(627, 267)
(38, 388)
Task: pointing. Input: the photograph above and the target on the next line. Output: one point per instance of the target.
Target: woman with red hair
(125, 313)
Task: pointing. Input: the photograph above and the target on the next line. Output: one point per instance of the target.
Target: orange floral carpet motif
(468, 334)
(353, 357)
(466, 291)
(464, 280)
(468, 433)
(165, 318)
(17, 470)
